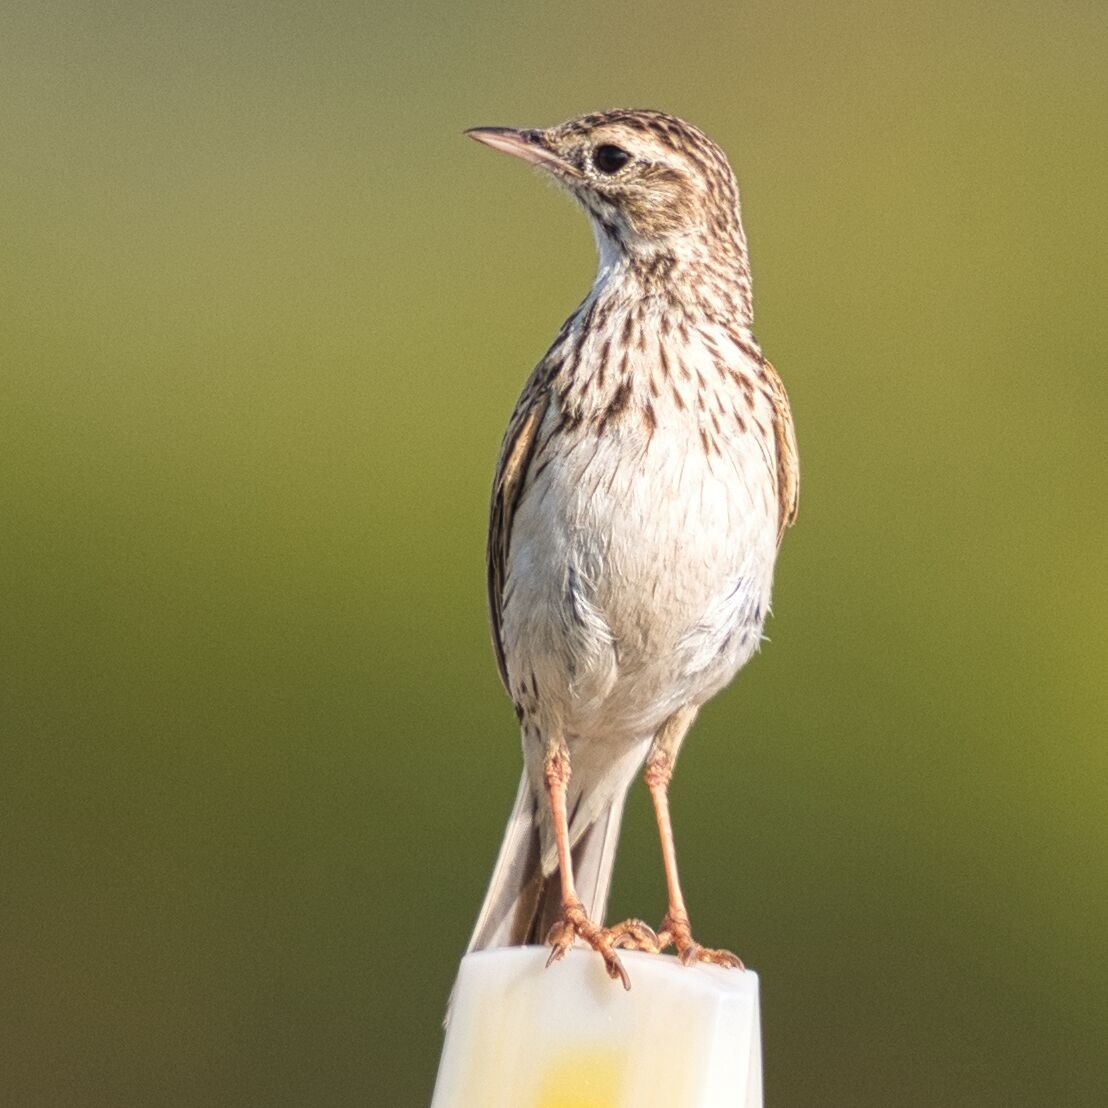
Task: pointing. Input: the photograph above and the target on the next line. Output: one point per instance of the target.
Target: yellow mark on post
(583, 1079)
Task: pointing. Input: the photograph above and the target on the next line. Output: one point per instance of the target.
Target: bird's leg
(675, 927)
(573, 922)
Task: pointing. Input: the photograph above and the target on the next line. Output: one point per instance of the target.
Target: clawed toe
(694, 952)
(675, 932)
(574, 923)
(560, 939)
(633, 934)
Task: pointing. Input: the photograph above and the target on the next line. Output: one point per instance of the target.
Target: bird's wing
(788, 460)
(511, 474)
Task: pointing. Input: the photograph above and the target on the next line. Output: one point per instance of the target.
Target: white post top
(523, 1036)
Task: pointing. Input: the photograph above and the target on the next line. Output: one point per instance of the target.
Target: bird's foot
(574, 924)
(633, 934)
(675, 932)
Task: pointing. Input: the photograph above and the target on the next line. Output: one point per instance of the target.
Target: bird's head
(652, 184)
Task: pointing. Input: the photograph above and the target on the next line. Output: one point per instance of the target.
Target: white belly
(639, 576)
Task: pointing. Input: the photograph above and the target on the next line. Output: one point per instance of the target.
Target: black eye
(609, 159)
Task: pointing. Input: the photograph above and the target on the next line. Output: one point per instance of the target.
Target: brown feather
(788, 461)
(511, 474)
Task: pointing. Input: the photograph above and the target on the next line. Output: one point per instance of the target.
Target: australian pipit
(645, 479)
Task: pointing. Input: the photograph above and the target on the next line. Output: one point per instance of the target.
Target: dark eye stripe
(610, 159)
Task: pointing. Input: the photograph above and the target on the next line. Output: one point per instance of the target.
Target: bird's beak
(531, 146)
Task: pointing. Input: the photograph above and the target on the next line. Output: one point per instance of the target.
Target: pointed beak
(531, 146)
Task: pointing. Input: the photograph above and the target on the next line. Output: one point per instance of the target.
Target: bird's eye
(610, 159)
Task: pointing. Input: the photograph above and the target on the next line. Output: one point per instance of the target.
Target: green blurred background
(264, 315)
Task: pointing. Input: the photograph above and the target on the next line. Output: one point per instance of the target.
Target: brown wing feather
(788, 460)
(511, 474)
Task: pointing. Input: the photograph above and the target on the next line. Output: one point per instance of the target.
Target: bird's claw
(573, 924)
(633, 934)
(675, 932)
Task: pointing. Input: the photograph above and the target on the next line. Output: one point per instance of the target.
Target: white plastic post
(523, 1036)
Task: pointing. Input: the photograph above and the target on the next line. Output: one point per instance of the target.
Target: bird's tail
(523, 903)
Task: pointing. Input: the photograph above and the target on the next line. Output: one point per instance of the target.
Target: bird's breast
(642, 551)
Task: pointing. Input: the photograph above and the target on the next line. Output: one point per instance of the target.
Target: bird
(643, 486)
